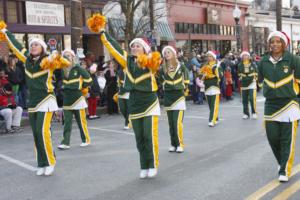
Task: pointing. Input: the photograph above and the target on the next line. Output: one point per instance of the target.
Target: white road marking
(110, 130)
(18, 162)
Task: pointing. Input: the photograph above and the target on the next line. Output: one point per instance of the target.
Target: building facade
(49, 20)
(208, 24)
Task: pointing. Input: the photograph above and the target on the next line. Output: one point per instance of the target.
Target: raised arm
(13, 44)
(114, 49)
(97, 24)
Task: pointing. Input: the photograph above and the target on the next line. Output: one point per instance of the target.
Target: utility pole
(76, 24)
(278, 15)
(151, 13)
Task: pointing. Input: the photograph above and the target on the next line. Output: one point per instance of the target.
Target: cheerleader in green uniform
(279, 74)
(123, 98)
(175, 79)
(247, 72)
(211, 75)
(75, 83)
(39, 68)
(140, 67)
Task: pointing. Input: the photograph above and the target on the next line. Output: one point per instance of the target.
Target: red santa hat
(142, 42)
(213, 54)
(282, 35)
(170, 48)
(245, 53)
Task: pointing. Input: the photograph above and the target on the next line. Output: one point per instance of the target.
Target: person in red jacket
(11, 113)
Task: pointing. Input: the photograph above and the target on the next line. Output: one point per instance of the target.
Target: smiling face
(36, 49)
(277, 45)
(210, 58)
(168, 54)
(136, 49)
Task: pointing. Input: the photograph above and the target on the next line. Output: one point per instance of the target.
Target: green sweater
(247, 74)
(140, 82)
(77, 79)
(38, 80)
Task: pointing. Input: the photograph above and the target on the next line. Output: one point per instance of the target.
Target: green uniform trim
(247, 74)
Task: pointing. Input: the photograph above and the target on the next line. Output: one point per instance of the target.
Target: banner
(44, 14)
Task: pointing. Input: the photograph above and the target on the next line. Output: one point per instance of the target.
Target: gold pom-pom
(55, 61)
(2, 25)
(96, 23)
(2, 35)
(142, 60)
(116, 98)
(45, 64)
(85, 91)
(154, 61)
(207, 71)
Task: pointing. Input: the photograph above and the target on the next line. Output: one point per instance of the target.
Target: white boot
(254, 116)
(40, 171)
(63, 147)
(179, 149)
(49, 170)
(211, 124)
(283, 178)
(245, 116)
(84, 144)
(152, 172)
(144, 173)
(172, 149)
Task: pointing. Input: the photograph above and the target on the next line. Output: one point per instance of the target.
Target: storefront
(48, 20)
(209, 25)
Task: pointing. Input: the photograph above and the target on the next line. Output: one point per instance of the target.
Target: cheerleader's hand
(85, 91)
(186, 92)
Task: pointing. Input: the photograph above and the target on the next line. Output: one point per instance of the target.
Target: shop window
(225, 30)
(176, 27)
(67, 41)
(186, 28)
(68, 15)
(218, 29)
(228, 30)
(12, 12)
(181, 28)
(191, 28)
(201, 28)
(204, 29)
(197, 28)
(1, 10)
(221, 30)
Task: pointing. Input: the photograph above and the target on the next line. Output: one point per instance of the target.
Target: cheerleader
(175, 79)
(211, 76)
(123, 98)
(140, 67)
(279, 74)
(75, 84)
(247, 72)
(39, 68)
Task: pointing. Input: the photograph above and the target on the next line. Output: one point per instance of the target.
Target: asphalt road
(230, 161)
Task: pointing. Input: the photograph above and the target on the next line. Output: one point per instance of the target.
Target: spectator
(228, 81)
(192, 83)
(111, 87)
(200, 90)
(14, 74)
(11, 113)
(94, 93)
(3, 78)
(101, 82)
(194, 61)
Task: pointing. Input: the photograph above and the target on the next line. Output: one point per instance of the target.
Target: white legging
(12, 117)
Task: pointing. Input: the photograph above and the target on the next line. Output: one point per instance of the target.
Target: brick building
(25, 20)
(208, 23)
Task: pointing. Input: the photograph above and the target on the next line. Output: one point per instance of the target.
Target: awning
(117, 27)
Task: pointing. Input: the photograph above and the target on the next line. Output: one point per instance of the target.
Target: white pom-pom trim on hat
(280, 35)
(212, 54)
(245, 53)
(69, 51)
(39, 41)
(142, 42)
(170, 48)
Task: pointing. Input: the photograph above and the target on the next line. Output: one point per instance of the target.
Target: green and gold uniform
(42, 101)
(280, 80)
(74, 102)
(143, 103)
(247, 72)
(123, 97)
(212, 89)
(174, 83)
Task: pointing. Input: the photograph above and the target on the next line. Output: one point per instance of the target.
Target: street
(230, 161)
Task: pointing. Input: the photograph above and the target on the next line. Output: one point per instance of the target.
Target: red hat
(144, 42)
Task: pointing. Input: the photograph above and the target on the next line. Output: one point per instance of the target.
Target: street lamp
(237, 15)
